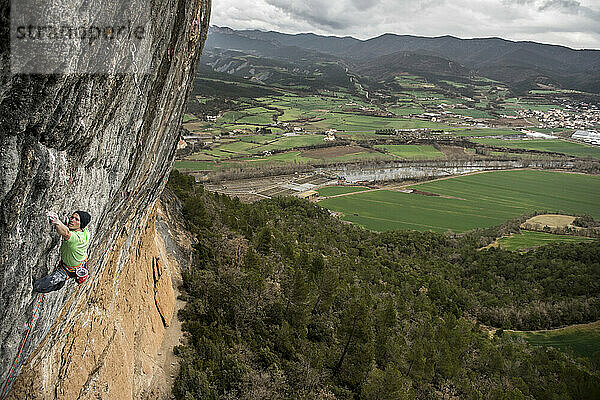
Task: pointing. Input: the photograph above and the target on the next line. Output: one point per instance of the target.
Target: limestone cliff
(105, 144)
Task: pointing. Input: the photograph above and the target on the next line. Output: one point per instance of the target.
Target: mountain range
(520, 65)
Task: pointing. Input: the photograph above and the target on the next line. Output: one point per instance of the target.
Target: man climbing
(73, 252)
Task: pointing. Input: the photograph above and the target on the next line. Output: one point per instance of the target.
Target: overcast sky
(573, 23)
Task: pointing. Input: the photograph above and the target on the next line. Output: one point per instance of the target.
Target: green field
(472, 201)
(544, 91)
(259, 119)
(336, 190)
(257, 144)
(455, 84)
(407, 110)
(216, 153)
(289, 114)
(540, 107)
(412, 82)
(553, 145)
(356, 122)
(259, 139)
(583, 340)
(527, 239)
(295, 106)
(472, 113)
(231, 116)
(252, 115)
(237, 147)
(423, 94)
(412, 151)
(290, 142)
(287, 157)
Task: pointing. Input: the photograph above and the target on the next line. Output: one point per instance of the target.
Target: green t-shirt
(74, 250)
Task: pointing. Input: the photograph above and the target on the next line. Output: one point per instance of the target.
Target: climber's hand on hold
(61, 228)
(53, 217)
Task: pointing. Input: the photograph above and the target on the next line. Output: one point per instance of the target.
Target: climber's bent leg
(52, 282)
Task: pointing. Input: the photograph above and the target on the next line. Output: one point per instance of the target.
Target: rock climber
(73, 252)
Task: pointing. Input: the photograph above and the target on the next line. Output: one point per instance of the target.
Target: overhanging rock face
(96, 142)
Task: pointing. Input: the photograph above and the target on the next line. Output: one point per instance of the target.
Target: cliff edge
(105, 144)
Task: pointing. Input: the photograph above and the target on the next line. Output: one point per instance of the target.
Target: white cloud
(567, 22)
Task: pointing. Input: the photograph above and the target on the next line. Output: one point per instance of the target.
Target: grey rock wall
(101, 143)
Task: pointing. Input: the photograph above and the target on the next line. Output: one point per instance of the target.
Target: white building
(592, 137)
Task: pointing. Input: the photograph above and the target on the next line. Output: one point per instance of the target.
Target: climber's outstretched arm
(61, 228)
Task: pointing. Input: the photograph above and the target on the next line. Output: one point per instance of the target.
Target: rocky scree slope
(105, 144)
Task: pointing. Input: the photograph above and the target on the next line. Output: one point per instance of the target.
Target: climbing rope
(22, 345)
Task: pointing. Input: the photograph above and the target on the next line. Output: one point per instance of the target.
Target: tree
(388, 384)
(355, 335)
(263, 244)
(296, 291)
(197, 217)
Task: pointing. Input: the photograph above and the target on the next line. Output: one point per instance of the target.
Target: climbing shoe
(52, 282)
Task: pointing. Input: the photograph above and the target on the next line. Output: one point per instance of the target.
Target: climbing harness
(70, 269)
(22, 345)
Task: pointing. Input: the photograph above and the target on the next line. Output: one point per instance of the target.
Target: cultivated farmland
(467, 202)
(583, 340)
(528, 239)
(337, 190)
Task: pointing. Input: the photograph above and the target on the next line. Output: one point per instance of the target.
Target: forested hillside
(285, 301)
